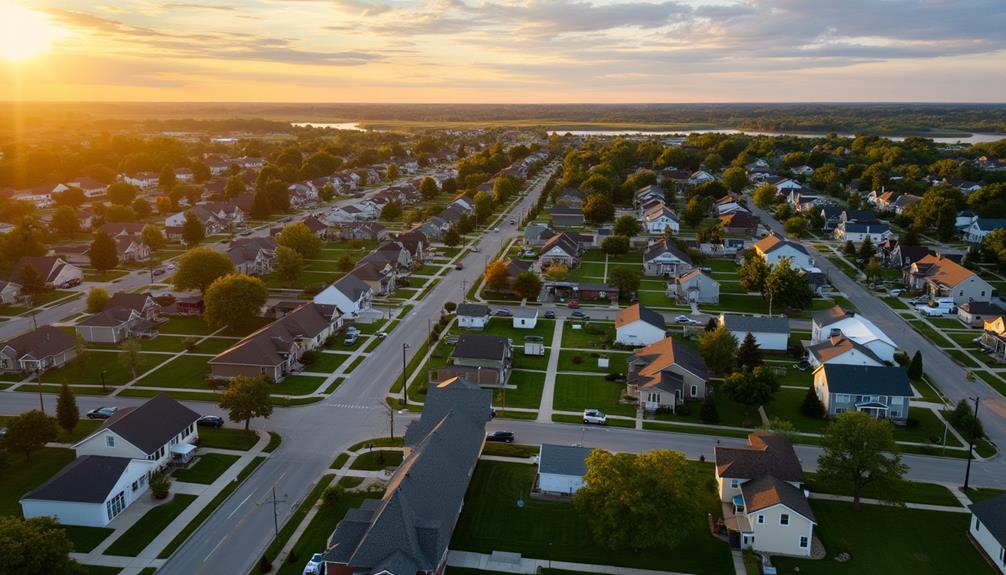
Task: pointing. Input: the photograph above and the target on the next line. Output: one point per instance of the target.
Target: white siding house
(637, 326)
(473, 315)
(561, 469)
(988, 530)
(771, 333)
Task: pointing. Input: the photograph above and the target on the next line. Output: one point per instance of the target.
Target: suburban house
(700, 177)
(317, 227)
(903, 202)
(856, 232)
(764, 505)
(143, 303)
(665, 374)
(659, 218)
(740, 223)
(829, 323)
(665, 258)
(361, 231)
(536, 234)
(481, 359)
(37, 351)
(975, 313)
(120, 229)
(773, 249)
(570, 198)
(560, 469)
(525, 317)
(637, 325)
(473, 315)
(563, 217)
(274, 351)
(993, 338)
(131, 249)
(53, 270)
(114, 325)
(253, 256)
(381, 278)
(114, 463)
(408, 530)
(882, 392)
(980, 227)
(560, 248)
(694, 286)
(903, 256)
(10, 291)
(771, 333)
(940, 276)
(174, 223)
(988, 530)
(840, 349)
(349, 294)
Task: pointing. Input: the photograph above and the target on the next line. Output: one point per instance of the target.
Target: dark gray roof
(867, 228)
(755, 324)
(767, 490)
(481, 347)
(981, 307)
(87, 479)
(992, 514)
(563, 459)
(657, 248)
(270, 345)
(766, 454)
(473, 309)
(866, 380)
(43, 342)
(152, 424)
(637, 312)
(351, 286)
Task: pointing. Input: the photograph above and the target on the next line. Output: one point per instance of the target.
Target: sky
(504, 51)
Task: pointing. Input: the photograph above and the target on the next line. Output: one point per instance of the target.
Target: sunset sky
(504, 50)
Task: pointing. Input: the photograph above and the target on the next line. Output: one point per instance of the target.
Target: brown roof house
(37, 351)
(665, 374)
(482, 359)
(53, 270)
(275, 350)
(764, 505)
(253, 256)
(942, 277)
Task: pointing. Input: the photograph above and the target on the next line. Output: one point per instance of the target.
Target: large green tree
(102, 253)
(598, 209)
(29, 432)
(200, 267)
(235, 300)
(860, 452)
(97, 299)
(428, 188)
(787, 288)
(193, 230)
(289, 264)
(753, 273)
(735, 179)
(718, 348)
(36, 546)
(67, 413)
(247, 397)
(750, 387)
(153, 237)
(65, 222)
(626, 278)
(765, 196)
(627, 225)
(301, 239)
(527, 285)
(749, 353)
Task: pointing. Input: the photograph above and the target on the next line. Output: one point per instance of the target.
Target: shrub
(190, 343)
(450, 306)
(710, 413)
(812, 406)
(308, 357)
(577, 359)
(291, 557)
(264, 565)
(160, 484)
(684, 409)
(912, 423)
(332, 496)
(842, 546)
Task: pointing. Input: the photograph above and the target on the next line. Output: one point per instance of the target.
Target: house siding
(992, 548)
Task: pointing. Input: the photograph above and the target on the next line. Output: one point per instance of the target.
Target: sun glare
(23, 32)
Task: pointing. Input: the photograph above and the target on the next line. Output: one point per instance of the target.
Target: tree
(81, 356)
(873, 269)
(557, 271)
(234, 300)
(640, 501)
(193, 230)
(301, 239)
(36, 546)
(428, 188)
(855, 447)
(122, 193)
(31, 281)
(626, 279)
(289, 264)
(164, 204)
(765, 196)
(167, 179)
(866, 250)
(709, 412)
(496, 276)
(97, 298)
(526, 285)
(811, 405)
(627, 225)
(749, 352)
(29, 432)
(199, 267)
(750, 386)
(345, 264)
(795, 226)
(718, 348)
(598, 209)
(392, 172)
(753, 273)
(26, 239)
(483, 207)
(67, 413)
(234, 188)
(260, 208)
(694, 211)
(915, 367)
(786, 287)
(130, 356)
(152, 237)
(391, 211)
(327, 192)
(615, 244)
(142, 208)
(735, 179)
(102, 253)
(65, 222)
(247, 397)
(452, 237)
(850, 250)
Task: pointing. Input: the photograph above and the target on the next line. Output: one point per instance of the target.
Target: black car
(210, 421)
(102, 412)
(502, 436)
(503, 312)
(578, 314)
(549, 314)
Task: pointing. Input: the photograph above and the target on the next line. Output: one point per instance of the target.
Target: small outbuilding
(561, 469)
(771, 333)
(637, 325)
(525, 318)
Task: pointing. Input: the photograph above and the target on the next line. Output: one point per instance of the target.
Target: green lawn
(184, 372)
(983, 493)
(101, 361)
(186, 325)
(207, 468)
(227, 438)
(86, 538)
(521, 361)
(18, 477)
(101, 570)
(928, 331)
(214, 345)
(721, 265)
(148, 527)
(527, 394)
(786, 405)
(579, 392)
(731, 413)
(911, 492)
(962, 358)
(929, 430)
(591, 335)
(377, 459)
(555, 530)
(949, 323)
(164, 343)
(740, 303)
(315, 535)
(884, 540)
(503, 327)
(327, 362)
(570, 360)
(297, 384)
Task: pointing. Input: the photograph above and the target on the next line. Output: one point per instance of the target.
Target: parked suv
(503, 436)
(352, 334)
(595, 416)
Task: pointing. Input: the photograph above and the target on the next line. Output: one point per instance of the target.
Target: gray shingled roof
(473, 310)
(756, 324)
(42, 342)
(992, 514)
(481, 347)
(563, 459)
(87, 479)
(152, 424)
(766, 454)
(268, 345)
(867, 380)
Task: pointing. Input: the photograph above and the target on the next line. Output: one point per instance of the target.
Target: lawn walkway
(484, 562)
(548, 391)
(868, 501)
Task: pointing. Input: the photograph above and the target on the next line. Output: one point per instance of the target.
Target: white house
(349, 294)
(700, 177)
(637, 326)
(525, 318)
(836, 321)
(665, 258)
(473, 315)
(771, 333)
(980, 227)
(840, 349)
(660, 218)
(694, 286)
(561, 469)
(773, 249)
(856, 232)
(154, 431)
(988, 530)
(53, 270)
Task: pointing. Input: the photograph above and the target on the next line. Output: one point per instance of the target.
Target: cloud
(183, 6)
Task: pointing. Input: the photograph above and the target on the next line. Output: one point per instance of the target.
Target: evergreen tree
(749, 352)
(102, 253)
(812, 406)
(866, 250)
(915, 367)
(67, 414)
(709, 413)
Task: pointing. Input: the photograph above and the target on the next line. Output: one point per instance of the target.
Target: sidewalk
(547, 392)
(513, 563)
(925, 506)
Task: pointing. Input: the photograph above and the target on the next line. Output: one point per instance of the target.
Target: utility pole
(405, 377)
(971, 445)
(275, 512)
(391, 418)
(41, 402)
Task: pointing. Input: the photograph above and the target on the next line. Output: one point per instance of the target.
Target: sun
(23, 33)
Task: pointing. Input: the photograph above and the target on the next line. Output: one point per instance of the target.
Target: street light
(405, 377)
(103, 381)
(971, 444)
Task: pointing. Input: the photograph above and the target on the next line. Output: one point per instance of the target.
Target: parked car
(682, 319)
(475, 249)
(573, 304)
(210, 421)
(502, 436)
(351, 337)
(459, 266)
(595, 416)
(451, 339)
(513, 221)
(503, 312)
(896, 292)
(578, 314)
(313, 566)
(549, 314)
(3, 431)
(381, 334)
(170, 266)
(158, 271)
(102, 412)
(70, 283)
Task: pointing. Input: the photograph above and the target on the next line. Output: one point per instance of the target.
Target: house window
(734, 483)
(1002, 555)
(109, 441)
(135, 486)
(115, 505)
(978, 525)
(839, 410)
(695, 390)
(761, 519)
(784, 519)
(803, 542)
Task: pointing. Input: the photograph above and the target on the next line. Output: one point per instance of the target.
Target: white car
(595, 416)
(313, 566)
(896, 292)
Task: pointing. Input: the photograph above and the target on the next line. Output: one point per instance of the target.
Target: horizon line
(357, 103)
